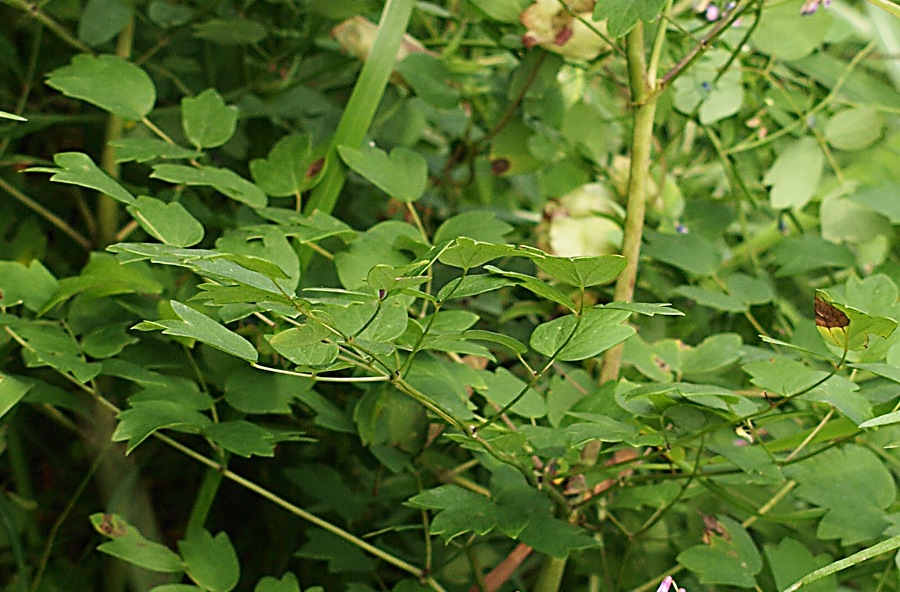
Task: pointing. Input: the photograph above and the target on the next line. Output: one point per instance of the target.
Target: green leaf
(224, 181)
(623, 15)
(716, 95)
(304, 345)
(386, 416)
(459, 511)
(795, 174)
(855, 559)
(169, 223)
(536, 286)
(471, 285)
(242, 438)
(429, 78)
(854, 128)
(505, 11)
(106, 341)
(107, 81)
(503, 387)
(206, 120)
(598, 330)
(392, 279)
(13, 116)
(210, 561)
(129, 545)
(403, 174)
(255, 391)
(582, 272)
(712, 298)
(790, 561)
(51, 345)
(646, 308)
(733, 560)
(785, 33)
(690, 252)
(469, 254)
(881, 199)
(12, 391)
(750, 290)
(101, 20)
(196, 325)
(78, 169)
(231, 31)
(287, 583)
(480, 225)
(31, 285)
(139, 422)
(795, 255)
(146, 149)
(510, 343)
(713, 354)
(834, 480)
(292, 167)
(342, 556)
(855, 335)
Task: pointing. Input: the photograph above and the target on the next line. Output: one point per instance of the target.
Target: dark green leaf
(76, 168)
(733, 560)
(206, 120)
(569, 339)
(469, 254)
(31, 285)
(582, 272)
(210, 561)
(224, 181)
(403, 174)
(169, 223)
(291, 167)
(623, 15)
(107, 81)
(536, 286)
(129, 545)
(231, 32)
(146, 149)
(196, 325)
(242, 438)
(12, 391)
(144, 418)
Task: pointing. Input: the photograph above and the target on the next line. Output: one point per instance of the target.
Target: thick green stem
(108, 210)
(364, 101)
(644, 99)
(551, 575)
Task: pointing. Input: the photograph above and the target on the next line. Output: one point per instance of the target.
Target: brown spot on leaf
(500, 167)
(315, 168)
(829, 316)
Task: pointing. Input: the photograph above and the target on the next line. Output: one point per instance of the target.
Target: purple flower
(712, 13)
(667, 584)
(811, 6)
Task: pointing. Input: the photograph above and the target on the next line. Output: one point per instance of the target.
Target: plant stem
(108, 210)
(364, 101)
(551, 575)
(644, 98)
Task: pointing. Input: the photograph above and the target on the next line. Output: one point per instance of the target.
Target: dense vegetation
(495, 295)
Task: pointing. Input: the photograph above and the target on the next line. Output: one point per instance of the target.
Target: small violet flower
(810, 6)
(667, 584)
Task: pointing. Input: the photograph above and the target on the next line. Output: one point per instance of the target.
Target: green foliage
(320, 307)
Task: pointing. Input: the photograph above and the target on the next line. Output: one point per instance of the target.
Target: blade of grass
(363, 101)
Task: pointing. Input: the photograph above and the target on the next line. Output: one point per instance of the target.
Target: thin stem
(37, 14)
(49, 216)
